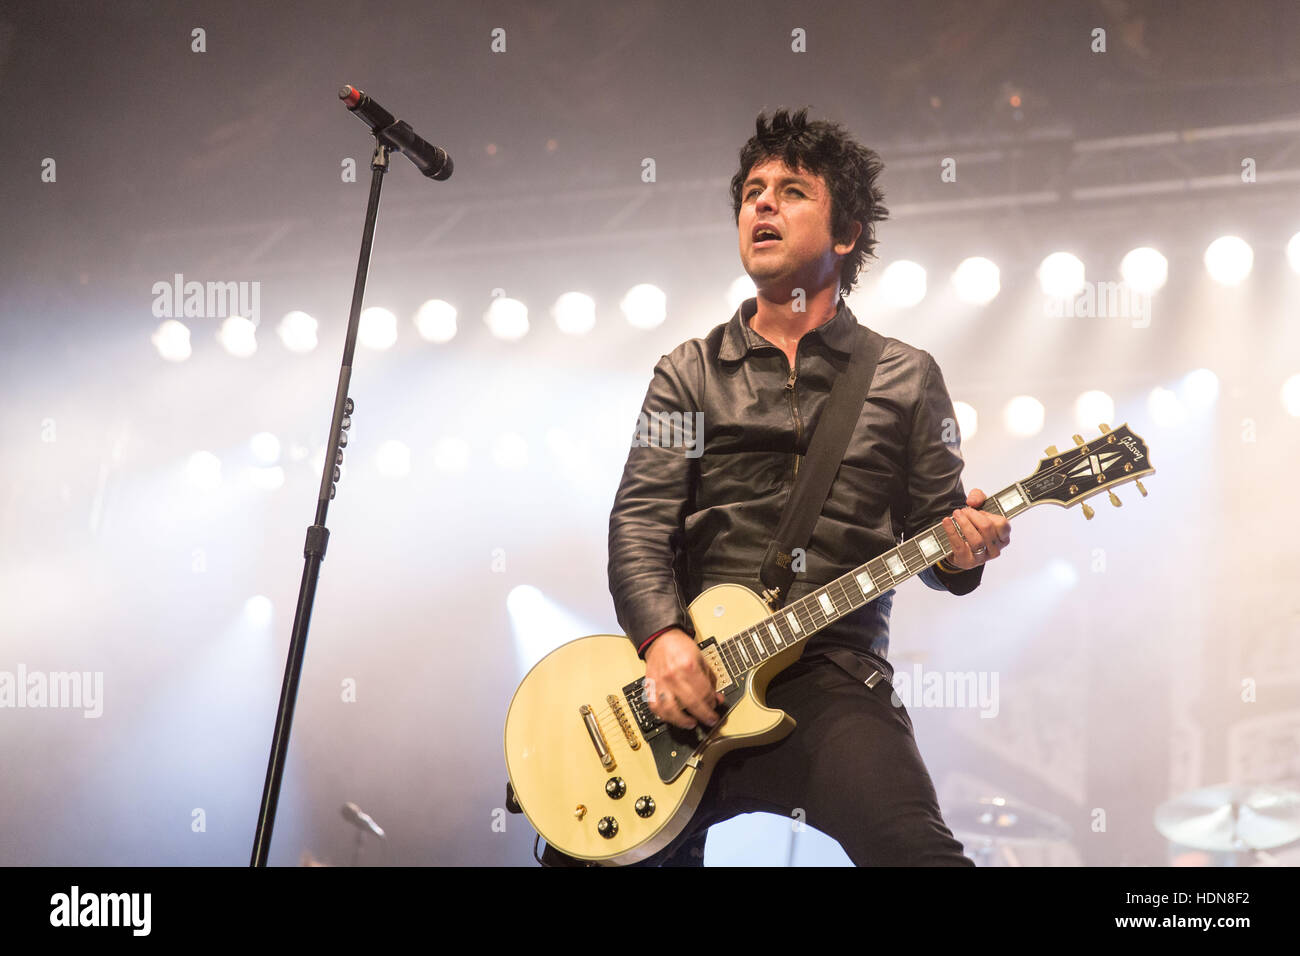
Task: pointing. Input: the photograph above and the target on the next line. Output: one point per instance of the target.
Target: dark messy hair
(824, 149)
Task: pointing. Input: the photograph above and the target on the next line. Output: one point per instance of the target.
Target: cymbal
(1231, 817)
(1000, 819)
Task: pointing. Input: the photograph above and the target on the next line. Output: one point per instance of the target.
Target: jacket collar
(839, 333)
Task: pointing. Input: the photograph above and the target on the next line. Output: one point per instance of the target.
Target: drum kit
(1234, 825)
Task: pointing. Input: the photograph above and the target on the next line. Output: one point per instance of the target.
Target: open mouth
(765, 236)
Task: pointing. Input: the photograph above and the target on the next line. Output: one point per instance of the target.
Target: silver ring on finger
(980, 550)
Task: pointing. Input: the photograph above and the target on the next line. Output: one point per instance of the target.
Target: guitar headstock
(1068, 477)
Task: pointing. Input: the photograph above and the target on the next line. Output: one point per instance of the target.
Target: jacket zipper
(794, 410)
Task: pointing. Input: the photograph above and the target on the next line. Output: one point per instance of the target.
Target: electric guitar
(602, 779)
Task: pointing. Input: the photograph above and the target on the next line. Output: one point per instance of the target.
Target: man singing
(806, 202)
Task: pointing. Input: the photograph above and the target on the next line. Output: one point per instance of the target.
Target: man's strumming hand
(679, 684)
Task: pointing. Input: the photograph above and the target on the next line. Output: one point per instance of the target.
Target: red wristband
(646, 643)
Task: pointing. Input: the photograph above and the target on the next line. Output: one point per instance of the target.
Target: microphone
(433, 161)
(359, 818)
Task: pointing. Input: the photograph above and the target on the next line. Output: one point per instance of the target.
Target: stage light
(977, 280)
(507, 319)
(451, 454)
(968, 421)
(741, 288)
(172, 340)
(436, 321)
(1024, 416)
(265, 448)
(510, 451)
(204, 470)
(1165, 407)
(377, 329)
(539, 625)
(1228, 260)
(1062, 572)
(1144, 270)
(575, 313)
(393, 459)
(239, 336)
(1092, 409)
(1199, 389)
(645, 306)
(1291, 395)
(258, 611)
(1293, 252)
(1061, 275)
(297, 330)
(903, 284)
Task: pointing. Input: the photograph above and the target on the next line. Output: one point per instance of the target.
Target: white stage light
(1144, 270)
(172, 340)
(507, 319)
(377, 329)
(451, 454)
(540, 625)
(1024, 416)
(265, 448)
(436, 321)
(575, 313)
(1228, 260)
(977, 280)
(1291, 395)
(393, 459)
(645, 306)
(239, 336)
(1200, 389)
(968, 421)
(903, 284)
(204, 470)
(258, 611)
(1165, 407)
(297, 330)
(1094, 408)
(1061, 275)
(510, 451)
(741, 288)
(1293, 252)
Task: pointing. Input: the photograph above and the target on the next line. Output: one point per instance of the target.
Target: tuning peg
(1078, 439)
(1114, 500)
(1088, 512)
(1051, 451)
(1105, 429)
(1141, 489)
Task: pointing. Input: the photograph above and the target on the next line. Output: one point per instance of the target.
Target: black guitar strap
(817, 472)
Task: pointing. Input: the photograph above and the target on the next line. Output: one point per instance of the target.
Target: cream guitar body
(575, 795)
(604, 780)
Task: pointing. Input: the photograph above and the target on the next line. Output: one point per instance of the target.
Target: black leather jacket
(701, 494)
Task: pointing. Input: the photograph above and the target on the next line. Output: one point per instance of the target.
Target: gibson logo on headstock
(1131, 444)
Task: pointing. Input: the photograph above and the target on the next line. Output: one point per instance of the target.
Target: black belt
(860, 670)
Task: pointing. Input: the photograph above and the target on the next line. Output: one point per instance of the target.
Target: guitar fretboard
(799, 620)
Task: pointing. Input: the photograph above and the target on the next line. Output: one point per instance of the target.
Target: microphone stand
(318, 534)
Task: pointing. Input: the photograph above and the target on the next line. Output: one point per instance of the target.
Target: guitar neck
(801, 619)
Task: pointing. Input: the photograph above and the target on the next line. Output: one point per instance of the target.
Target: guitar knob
(1140, 488)
(1114, 500)
(607, 827)
(1088, 512)
(645, 806)
(615, 788)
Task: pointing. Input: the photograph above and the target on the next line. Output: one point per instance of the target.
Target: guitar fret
(758, 637)
(776, 634)
(912, 557)
(827, 608)
(880, 574)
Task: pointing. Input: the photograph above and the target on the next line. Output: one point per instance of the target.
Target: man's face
(795, 204)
